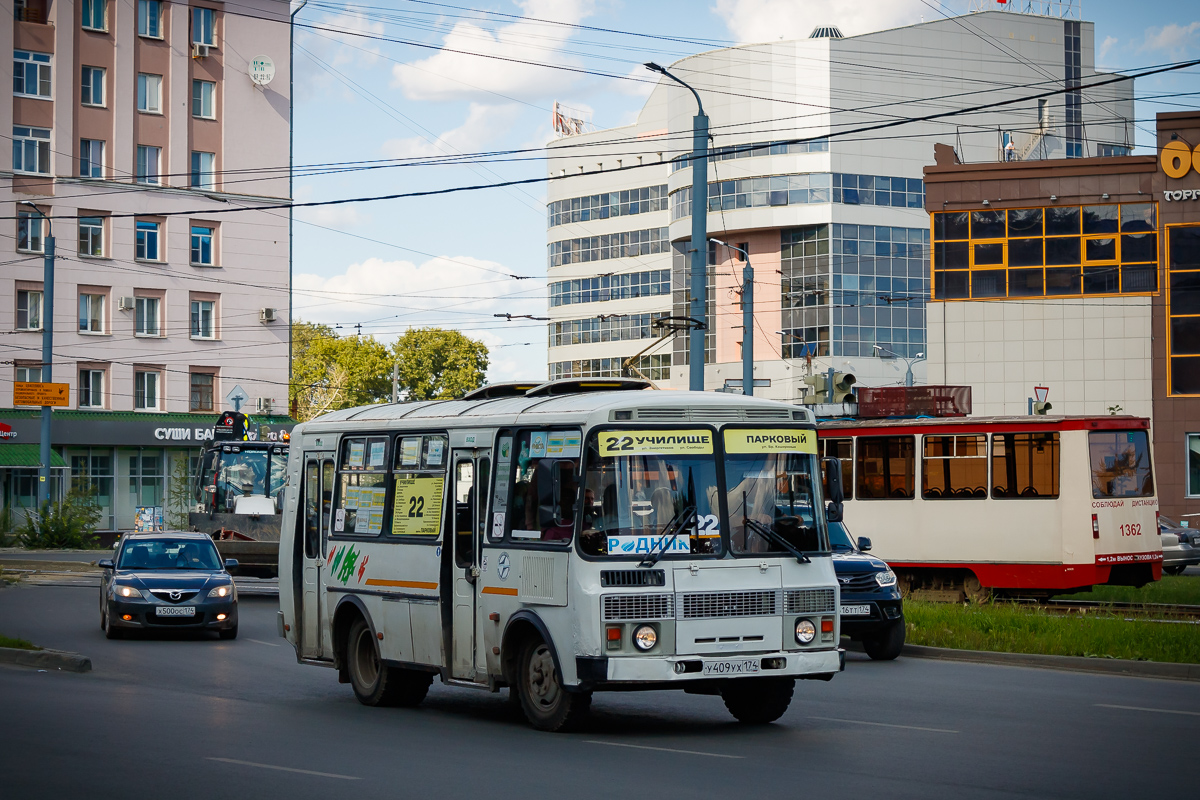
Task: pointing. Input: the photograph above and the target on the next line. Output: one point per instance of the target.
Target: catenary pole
(47, 353)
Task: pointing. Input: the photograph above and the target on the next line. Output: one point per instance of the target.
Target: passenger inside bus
(545, 493)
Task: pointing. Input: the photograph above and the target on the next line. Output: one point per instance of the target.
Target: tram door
(471, 469)
(318, 500)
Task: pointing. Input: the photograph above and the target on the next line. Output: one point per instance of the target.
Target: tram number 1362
(1132, 529)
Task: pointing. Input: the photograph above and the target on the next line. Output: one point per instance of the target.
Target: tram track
(1168, 612)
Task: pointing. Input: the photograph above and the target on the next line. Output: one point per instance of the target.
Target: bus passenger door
(318, 493)
(470, 479)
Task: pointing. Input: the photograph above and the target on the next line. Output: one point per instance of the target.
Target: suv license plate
(856, 611)
(741, 666)
(175, 611)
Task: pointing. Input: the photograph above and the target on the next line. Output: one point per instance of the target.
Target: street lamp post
(47, 350)
(699, 274)
(747, 318)
(908, 378)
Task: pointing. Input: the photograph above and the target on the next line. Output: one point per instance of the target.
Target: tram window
(954, 467)
(1025, 465)
(545, 485)
(419, 478)
(885, 467)
(362, 486)
(1120, 464)
(842, 449)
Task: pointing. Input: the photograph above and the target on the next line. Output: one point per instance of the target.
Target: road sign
(1040, 393)
(41, 394)
(237, 395)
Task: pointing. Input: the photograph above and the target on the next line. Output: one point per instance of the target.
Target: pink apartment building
(136, 126)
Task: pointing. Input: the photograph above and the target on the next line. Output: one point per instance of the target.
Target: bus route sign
(418, 507)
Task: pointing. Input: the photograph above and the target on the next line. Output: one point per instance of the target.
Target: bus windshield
(643, 487)
(773, 486)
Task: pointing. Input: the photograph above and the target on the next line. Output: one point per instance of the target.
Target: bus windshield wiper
(676, 524)
(771, 535)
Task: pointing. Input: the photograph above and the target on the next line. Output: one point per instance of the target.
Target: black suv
(872, 610)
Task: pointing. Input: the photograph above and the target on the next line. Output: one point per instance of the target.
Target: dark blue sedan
(872, 610)
(167, 581)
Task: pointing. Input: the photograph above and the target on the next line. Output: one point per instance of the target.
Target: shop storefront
(129, 460)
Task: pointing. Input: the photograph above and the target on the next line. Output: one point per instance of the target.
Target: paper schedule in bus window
(410, 451)
(418, 507)
(377, 453)
(356, 454)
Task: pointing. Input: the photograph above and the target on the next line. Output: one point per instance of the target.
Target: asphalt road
(184, 717)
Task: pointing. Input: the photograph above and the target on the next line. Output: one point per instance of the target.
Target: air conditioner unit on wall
(263, 405)
(266, 315)
(200, 50)
(124, 304)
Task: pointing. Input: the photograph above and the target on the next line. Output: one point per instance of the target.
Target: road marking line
(885, 725)
(1156, 710)
(284, 769)
(260, 641)
(663, 749)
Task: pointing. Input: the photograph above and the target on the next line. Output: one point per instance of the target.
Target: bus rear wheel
(757, 701)
(547, 704)
(375, 683)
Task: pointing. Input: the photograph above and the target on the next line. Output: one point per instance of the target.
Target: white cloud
(1105, 48)
(1174, 40)
(770, 20)
(338, 48)
(448, 75)
(484, 124)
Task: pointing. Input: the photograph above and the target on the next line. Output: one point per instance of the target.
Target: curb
(1105, 666)
(46, 659)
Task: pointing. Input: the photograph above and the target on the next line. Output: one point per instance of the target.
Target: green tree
(331, 372)
(437, 364)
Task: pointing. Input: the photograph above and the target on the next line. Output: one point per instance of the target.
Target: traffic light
(843, 386)
(820, 389)
(1041, 408)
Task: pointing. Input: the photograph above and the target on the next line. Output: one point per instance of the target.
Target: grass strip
(1173, 589)
(19, 644)
(1011, 628)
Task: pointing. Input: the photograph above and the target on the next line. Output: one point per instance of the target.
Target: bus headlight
(805, 631)
(645, 637)
(885, 578)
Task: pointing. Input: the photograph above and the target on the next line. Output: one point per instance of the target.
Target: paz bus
(559, 540)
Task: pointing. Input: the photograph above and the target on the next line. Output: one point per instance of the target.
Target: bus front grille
(619, 607)
(709, 605)
(809, 601)
(632, 577)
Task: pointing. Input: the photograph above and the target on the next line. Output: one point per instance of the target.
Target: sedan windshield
(769, 478)
(839, 538)
(651, 490)
(161, 554)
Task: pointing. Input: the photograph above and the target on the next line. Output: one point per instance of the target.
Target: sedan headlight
(220, 592)
(645, 637)
(885, 578)
(127, 592)
(805, 631)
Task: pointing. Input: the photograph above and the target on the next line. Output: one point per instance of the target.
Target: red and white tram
(1010, 505)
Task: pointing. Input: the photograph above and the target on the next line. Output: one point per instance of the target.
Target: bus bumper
(597, 671)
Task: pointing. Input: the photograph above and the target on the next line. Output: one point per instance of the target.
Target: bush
(8, 527)
(70, 524)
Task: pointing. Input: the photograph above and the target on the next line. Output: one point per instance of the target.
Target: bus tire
(887, 644)
(547, 704)
(757, 701)
(375, 683)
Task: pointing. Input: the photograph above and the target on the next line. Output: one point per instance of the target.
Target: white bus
(562, 539)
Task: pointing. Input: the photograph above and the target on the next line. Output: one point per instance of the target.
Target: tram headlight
(645, 637)
(885, 578)
(805, 631)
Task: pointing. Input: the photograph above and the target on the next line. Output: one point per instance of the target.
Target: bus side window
(311, 511)
(545, 486)
(464, 512)
(327, 476)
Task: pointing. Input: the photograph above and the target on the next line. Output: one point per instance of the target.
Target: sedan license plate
(175, 611)
(740, 666)
(856, 611)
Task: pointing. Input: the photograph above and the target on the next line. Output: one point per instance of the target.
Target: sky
(398, 79)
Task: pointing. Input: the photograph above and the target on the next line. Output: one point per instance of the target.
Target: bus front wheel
(547, 704)
(757, 701)
(375, 683)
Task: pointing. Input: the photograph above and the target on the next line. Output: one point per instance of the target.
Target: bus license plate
(856, 611)
(741, 666)
(175, 611)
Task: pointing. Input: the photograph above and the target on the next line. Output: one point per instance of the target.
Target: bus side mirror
(864, 543)
(833, 477)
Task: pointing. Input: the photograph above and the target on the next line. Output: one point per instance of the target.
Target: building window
(146, 247)
(203, 169)
(204, 99)
(91, 86)
(605, 328)
(203, 26)
(31, 150)
(753, 150)
(29, 374)
(202, 391)
(29, 232)
(91, 236)
(146, 317)
(654, 367)
(147, 164)
(1073, 74)
(1183, 309)
(29, 310)
(605, 206)
(149, 93)
(150, 18)
(619, 286)
(91, 388)
(1059, 251)
(629, 244)
(91, 158)
(94, 15)
(202, 245)
(31, 74)
(202, 319)
(1193, 465)
(145, 390)
(91, 313)
(1110, 150)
